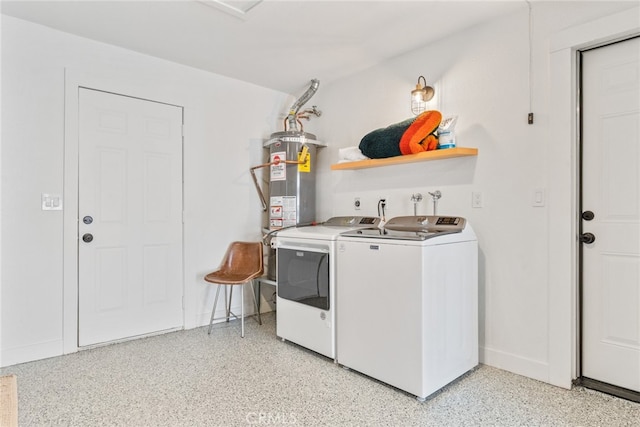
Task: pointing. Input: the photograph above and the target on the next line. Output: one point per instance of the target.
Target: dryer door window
(303, 277)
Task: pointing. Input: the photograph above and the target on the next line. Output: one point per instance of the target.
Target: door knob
(587, 238)
(87, 237)
(588, 215)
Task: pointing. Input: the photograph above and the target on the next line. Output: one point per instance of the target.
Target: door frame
(563, 173)
(73, 80)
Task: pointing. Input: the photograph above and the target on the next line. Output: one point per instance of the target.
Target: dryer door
(303, 276)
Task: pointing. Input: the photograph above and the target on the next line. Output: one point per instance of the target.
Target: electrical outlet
(356, 203)
(477, 200)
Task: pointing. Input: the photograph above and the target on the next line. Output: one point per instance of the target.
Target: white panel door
(130, 213)
(611, 190)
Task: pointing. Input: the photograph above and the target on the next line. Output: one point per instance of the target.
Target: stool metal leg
(229, 301)
(242, 310)
(228, 294)
(255, 301)
(215, 303)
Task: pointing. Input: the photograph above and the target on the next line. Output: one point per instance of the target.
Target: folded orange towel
(420, 135)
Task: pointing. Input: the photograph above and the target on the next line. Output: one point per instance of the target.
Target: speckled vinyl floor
(188, 378)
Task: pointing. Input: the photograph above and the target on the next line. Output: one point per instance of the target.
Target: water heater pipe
(292, 118)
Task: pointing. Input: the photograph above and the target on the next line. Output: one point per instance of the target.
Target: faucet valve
(435, 196)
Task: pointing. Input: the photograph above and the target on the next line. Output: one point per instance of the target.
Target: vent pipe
(292, 118)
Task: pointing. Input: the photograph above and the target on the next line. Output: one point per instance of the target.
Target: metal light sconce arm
(420, 96)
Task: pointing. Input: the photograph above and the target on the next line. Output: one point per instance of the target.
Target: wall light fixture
(420, 96)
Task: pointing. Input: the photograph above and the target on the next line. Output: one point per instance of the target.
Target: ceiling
(278, 44)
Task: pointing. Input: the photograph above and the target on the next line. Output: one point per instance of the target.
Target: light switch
(538, 197)
(51, 202)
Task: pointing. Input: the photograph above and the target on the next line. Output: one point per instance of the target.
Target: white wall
(482, 76)
(223, 139)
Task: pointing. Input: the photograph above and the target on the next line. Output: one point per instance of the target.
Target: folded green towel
(384, 142)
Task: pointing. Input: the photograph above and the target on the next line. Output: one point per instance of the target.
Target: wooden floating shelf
(447, 153)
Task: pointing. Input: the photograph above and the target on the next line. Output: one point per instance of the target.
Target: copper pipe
(264, 165)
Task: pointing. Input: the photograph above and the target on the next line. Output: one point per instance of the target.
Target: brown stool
(241, 264)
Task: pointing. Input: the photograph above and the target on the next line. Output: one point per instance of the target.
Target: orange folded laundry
(420, 135)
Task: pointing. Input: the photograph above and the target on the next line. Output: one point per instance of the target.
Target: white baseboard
(29, 353)
(531, 368)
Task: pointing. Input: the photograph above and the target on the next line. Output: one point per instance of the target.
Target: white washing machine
(305, 276)
(407, 311)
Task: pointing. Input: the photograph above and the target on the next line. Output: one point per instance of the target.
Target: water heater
(292, 178)
(292, 168)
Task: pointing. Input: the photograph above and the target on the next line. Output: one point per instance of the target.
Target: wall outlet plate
(477, 199)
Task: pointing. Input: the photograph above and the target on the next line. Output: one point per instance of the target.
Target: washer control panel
(426, 223)
(350, 221)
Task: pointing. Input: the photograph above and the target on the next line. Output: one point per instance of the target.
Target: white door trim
(74, 79)
(563, 172)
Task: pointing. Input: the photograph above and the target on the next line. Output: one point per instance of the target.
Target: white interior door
(130, 214)
(611, 190)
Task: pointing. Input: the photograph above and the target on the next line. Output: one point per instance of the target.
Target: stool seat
(226, 278)
(242, 263)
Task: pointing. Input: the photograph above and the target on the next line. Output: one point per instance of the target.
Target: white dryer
(305, 277)
(407, 311)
